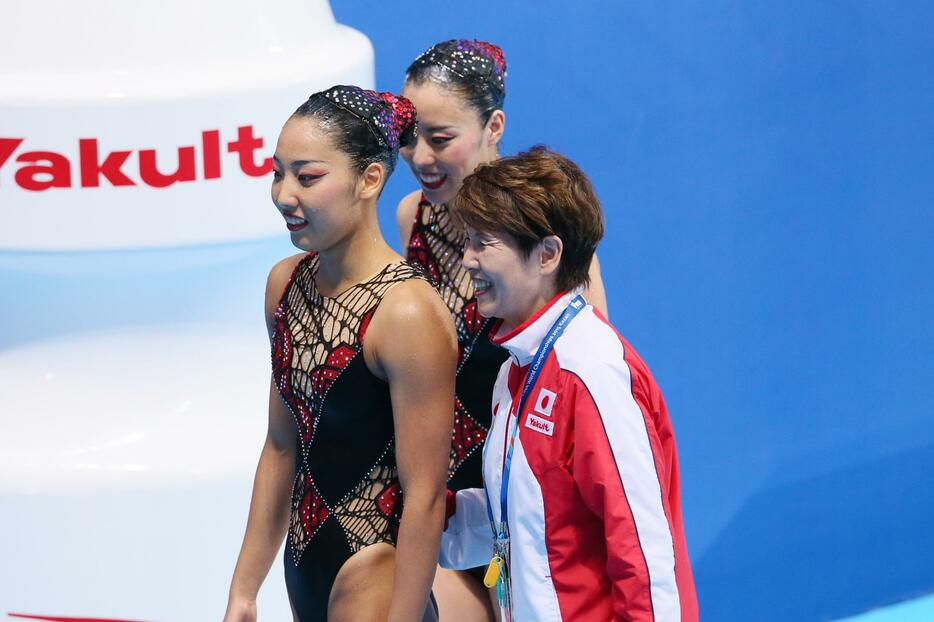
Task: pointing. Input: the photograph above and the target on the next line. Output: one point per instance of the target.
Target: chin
(439, 196)
(486, 309)
(303, 242)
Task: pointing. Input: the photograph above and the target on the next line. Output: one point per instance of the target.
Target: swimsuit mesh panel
(437, 244)
(314, 339)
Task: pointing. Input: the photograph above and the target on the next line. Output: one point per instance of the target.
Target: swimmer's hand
(240, 610)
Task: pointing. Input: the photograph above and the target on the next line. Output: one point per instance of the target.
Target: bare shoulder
(595, 292)
(412, 315)
(278, 278)
(405, 215)
(415, 302)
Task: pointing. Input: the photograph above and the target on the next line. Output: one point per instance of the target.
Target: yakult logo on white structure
(43, 170)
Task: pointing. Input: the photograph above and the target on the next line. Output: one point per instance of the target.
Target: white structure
(132, 176)
(145, 124)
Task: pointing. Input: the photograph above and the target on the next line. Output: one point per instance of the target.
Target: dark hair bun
(474, 69)
(368, 126)
(467, 58)
(403, 118)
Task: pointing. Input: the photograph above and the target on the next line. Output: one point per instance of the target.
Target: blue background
(766, 172)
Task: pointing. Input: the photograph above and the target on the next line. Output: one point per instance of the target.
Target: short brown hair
(531, 196)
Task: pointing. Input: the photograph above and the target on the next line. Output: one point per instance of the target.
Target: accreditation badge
(497, 573)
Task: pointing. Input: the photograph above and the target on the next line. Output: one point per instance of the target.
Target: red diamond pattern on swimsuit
(314, 339)
(437, 244)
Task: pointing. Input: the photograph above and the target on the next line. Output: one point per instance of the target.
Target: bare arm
(416, 347)
(269, 511)
(595, 294)
(269, 507)
(405, 217)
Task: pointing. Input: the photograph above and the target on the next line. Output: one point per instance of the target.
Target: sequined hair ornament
(391, 118)
(468, 58)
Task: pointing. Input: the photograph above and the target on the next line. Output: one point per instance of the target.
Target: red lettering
(49, 169)
(7, 147)
(92, 169)
(245, 145)
(55, 174)
(211, 150)
(151, 175)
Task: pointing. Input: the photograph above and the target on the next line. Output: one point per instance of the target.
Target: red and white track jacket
(594, 503)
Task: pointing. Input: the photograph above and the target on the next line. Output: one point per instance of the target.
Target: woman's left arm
(416, 347)
(615, 471)
(594, 293)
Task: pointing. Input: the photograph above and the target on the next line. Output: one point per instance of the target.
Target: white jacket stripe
(611, 390)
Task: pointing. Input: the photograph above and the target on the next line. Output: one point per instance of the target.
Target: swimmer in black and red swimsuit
(435, 244)
(346, 493)
(364, 357)
(458, 88)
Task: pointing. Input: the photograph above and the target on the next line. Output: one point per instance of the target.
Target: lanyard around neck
(556, 330)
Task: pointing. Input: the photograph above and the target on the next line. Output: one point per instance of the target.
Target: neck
(541, 299)
(355, 258)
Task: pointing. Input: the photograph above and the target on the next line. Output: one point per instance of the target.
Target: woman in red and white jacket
(592, 503)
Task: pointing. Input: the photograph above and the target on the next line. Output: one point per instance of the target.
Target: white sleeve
(468, 540)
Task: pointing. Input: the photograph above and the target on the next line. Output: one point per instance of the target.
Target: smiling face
(314, 186)
(452, 141)
(507, 284)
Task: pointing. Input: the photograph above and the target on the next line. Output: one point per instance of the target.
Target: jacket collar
(522, 342)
